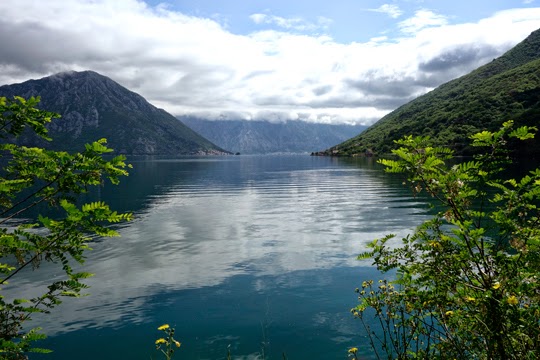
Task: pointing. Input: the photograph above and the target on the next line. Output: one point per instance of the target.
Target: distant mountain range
(93, 106)
(263, 137)
(508, 88)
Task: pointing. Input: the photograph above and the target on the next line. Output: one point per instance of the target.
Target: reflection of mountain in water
(150, 178)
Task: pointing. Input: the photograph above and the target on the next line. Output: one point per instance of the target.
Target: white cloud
(295, 23)
(259, 18)
(421, 20)
(391, 10)
(192, 65)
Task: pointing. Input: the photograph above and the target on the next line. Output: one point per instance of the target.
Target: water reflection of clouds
(286, 222)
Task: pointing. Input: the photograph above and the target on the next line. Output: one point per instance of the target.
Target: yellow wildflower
(449, 313)
(160, 341)
(435, 244)
(496, 285)
(163, 327)
(470, 298)
(177, 343)
(512, 300)
(353, 350)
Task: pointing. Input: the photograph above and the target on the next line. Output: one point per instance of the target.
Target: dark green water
(253, 253)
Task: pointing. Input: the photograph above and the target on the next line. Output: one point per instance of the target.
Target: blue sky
(350, 20)
(340, 61)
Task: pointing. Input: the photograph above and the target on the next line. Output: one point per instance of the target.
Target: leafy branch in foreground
(465, 284)
(34, 176)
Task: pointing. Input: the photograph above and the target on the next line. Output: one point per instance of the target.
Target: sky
(339, 61)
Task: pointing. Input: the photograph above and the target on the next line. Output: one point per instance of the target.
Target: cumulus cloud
(295, 23)
(422, 19)
(195, 66)
(391, 10)
(458, 58)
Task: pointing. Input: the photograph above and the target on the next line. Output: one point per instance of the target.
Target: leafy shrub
(35, 176)
(465, 284)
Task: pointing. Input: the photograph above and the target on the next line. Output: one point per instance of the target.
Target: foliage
(32, 178)
(507, 87)
(466, 282)
(167, 345)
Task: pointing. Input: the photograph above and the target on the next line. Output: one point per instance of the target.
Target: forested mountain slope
(508, 88)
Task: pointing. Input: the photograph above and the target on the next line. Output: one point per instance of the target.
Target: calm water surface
(253, 253)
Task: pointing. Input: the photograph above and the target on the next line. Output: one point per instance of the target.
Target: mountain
(508, 88)
(263, 137)
(93, 106)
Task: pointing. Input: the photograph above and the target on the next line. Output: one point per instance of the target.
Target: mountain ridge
(93, 106)
(263, 137)
(506, 88)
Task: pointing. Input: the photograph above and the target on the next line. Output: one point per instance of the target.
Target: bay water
(255, 255)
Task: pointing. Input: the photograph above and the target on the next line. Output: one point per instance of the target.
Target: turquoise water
(256, 254)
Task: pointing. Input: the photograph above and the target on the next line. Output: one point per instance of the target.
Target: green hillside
(507, 88)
